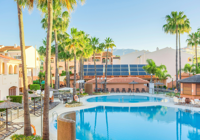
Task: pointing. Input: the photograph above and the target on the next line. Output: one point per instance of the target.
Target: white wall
(131, 58)
(8, 80)
(167, 57)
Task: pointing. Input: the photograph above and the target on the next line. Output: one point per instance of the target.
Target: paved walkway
(36, 121)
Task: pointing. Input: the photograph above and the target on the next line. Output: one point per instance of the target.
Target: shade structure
(133, 83)
(51, 89)
(33, 96)
(7, 105)
(66, 88)
(103, 82)
(192, 79)
(158, 83)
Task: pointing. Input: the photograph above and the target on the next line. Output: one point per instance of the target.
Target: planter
(187, 100)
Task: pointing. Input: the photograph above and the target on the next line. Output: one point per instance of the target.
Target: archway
(10, 69)
(3, 68)
(15, 69)
(12, 91)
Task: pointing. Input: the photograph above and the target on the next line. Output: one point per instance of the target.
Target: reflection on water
(138, 123)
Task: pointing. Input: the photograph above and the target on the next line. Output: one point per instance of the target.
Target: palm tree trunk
(51, 82)
(83, 72)
(106, 70)
(176, 56)
(47, 73)
(27, 121)
(68, 76)
(180, 55)
(196, 57)
(95, 70)
(74, 87)
(80, 72)
(66, 72)
(56, 60)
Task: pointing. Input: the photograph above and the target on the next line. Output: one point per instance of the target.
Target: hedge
(22, 137)
(17, 99)
(36, 82)
(1, 110)
(35, 87)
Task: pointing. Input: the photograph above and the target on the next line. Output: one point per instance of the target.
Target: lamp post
(151, 78)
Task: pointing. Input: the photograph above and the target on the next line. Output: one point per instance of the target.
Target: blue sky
(132, 24)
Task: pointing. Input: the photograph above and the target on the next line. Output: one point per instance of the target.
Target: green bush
(165, 87)
(64, 73)
(17, 99)
(77, 89)
(35, 87)
(1, 110)
(36, 82)
(42, 86)
(22, 137)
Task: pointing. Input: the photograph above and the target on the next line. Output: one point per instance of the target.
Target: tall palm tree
(174, 20)
(109, 44)
(95, 43)
(69, 4)
(194, 41)
(183, 28)
(27, 121)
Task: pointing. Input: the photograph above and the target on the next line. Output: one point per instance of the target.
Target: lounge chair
(112, 90)
(143, 90)
(129, 90)
(107, 90)
(137, 90)
(123, 90)
(117, 90)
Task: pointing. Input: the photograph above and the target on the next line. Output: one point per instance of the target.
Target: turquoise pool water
(124, 99)
(137, 123)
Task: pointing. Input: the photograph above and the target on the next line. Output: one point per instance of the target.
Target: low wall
(66, 126)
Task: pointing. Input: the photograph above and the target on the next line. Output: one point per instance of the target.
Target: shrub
(17, 99)
(35, 87)
(42, 86)
(36, 82)
(1, 110)
(165, 87)
(77, 89)
(22, 137)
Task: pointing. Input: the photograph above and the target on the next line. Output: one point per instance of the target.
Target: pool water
(137, 123)
(124, 99)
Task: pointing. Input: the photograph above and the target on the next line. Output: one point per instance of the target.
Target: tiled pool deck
(36, 121)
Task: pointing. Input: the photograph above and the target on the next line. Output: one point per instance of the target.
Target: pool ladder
(122, 99)
(54, 114)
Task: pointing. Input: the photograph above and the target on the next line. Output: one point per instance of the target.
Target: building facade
(9, 76)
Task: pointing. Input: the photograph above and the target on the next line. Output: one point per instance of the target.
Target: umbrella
(133, 82)
(159, 83)
(7, 105)
(51, 89)
(33, 96)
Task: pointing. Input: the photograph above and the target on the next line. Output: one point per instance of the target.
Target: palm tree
(95, 43)
(183, 28)
(66, 56)
(188, 68)
(27, 121)
(174, 20)
(194, 41)
(162, 74)
(109, 44)
(69, 5)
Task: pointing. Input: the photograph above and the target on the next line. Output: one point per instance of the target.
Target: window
(60, 67)
(61, 60)
(3, 68)
(52, 60)
(71, 67)
(15, 69)
(10, 69)
(17, 57)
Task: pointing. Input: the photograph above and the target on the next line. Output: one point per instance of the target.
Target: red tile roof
(12, 48)
(10, 58)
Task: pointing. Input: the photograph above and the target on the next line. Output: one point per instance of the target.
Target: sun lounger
(143, 90)
(137, 90)
(112, 90)
(129, 90)
(117, 90)
(123, 90)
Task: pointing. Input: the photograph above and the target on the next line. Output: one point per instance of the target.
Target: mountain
(122, 51)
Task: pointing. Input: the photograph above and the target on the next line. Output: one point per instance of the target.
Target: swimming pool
(124, 99)
(138, 123)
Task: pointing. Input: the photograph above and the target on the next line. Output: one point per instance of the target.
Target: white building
(165, 56)
(32, 57)
(9, 76)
